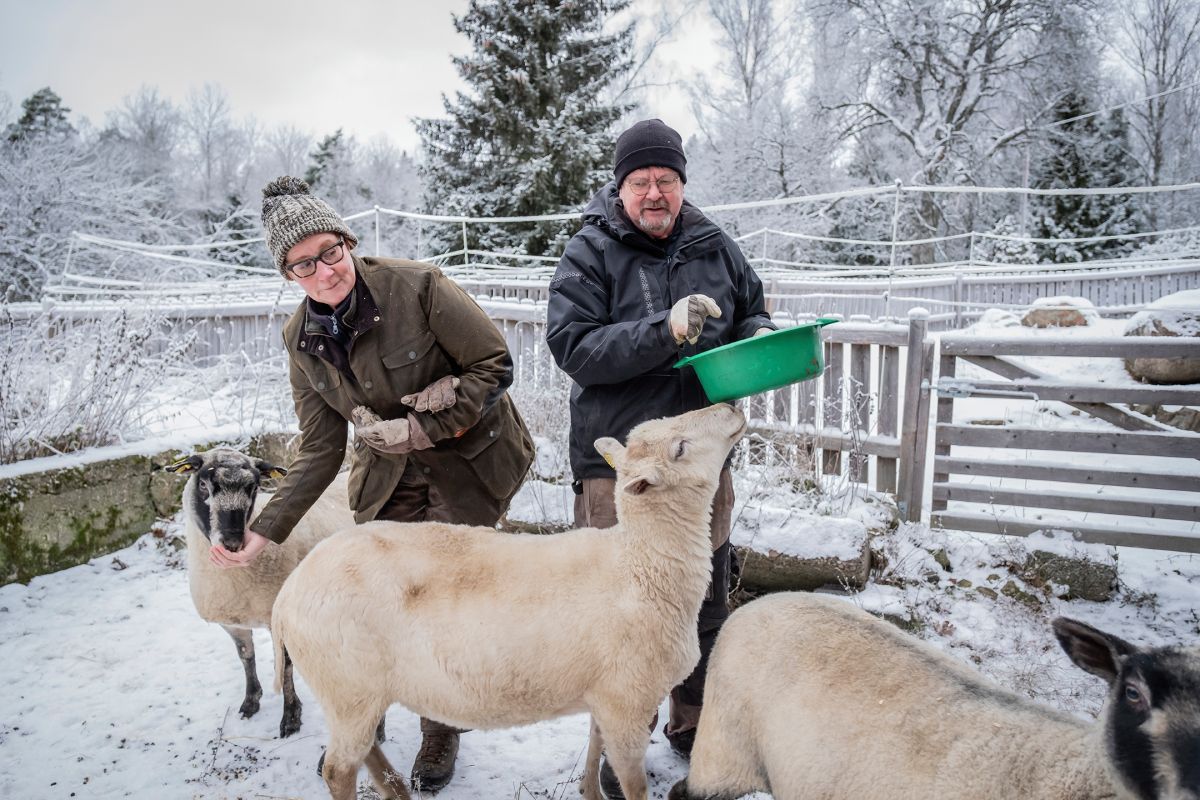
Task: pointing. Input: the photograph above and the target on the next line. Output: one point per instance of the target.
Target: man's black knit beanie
(649, 143)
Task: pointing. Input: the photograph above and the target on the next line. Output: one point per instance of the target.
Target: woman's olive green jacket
(412, 326)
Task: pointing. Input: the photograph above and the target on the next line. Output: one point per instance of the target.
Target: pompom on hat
(291, 213)
(649, 143)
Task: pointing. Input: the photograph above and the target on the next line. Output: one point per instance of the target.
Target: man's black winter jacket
(607, 324)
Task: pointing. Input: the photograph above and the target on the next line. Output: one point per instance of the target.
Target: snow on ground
(118, 689)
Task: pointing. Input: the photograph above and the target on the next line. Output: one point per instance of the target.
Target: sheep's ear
(611, 449)
(269, 469)
(642, 482)
(184, 465)
(1092, 650)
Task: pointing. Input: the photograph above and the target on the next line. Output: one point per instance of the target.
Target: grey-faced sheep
(480, 629)
(219, 500)
(810, 697)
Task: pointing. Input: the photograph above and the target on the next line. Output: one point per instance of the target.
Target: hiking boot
(434, 765)
(610, 786)
(682, 743)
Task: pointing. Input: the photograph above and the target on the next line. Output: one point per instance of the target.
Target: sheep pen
(220, 499)
(480, 629)
(811, 697)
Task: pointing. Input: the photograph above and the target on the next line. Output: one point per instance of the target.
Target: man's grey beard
(653, 228)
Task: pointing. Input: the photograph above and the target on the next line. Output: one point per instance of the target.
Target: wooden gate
(1138, 486)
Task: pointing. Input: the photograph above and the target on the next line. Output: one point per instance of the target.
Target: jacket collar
(366, 313)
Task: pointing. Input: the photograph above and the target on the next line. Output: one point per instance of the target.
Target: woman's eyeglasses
(330, 256)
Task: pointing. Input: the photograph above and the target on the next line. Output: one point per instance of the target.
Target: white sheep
(480, 629)
(219, 500)
(810, 697)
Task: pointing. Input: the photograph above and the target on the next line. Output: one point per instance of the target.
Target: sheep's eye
(1133, 695)
(680, 446)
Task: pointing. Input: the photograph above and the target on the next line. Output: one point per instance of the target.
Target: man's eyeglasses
(330, 256)
(641, 186)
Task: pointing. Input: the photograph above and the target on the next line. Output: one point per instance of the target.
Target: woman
(397, 348)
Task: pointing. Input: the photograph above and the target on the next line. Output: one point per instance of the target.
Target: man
(404, 353)
(647, 280)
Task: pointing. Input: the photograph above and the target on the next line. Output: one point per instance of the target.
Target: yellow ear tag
(608, 458)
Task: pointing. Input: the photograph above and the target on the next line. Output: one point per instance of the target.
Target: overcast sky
(367, 66)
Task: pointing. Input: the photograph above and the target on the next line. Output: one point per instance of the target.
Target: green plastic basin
(750, 366)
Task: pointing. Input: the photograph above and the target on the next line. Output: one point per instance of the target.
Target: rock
(942, 559)
(1015, 592)
(1183, 417)
(1174, 315)
(1059, 312)
(776, 572)
(1075, 577)
(986, 592)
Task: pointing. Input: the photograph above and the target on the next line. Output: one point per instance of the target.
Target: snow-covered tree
(1086, 152)
(532, 134)
(934, 77)
(1159, 40)
(149, 128)
(333, 175)
(286, 151)
(759, 137)
(43, 115)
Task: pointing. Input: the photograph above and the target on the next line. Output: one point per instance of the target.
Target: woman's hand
(254, 543)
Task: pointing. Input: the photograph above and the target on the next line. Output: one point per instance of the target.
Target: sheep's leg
(589, 785)
(244, 640)
(291, 702)
(626, 737)
(351, 739)
(630, 766)
(388, 782)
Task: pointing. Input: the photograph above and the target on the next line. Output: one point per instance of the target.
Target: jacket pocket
(499, 451)
(411, 351)
(325, 380)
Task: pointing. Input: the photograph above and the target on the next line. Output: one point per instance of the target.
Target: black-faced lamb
(219, 500)
(810, 697)
(480, 629)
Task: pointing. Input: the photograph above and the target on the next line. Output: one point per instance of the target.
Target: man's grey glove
(688, 315)
(382, 435)
(437, 396)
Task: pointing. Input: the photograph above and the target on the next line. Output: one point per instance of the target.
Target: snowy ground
(116, 688)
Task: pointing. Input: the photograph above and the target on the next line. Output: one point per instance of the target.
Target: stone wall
(57, 519)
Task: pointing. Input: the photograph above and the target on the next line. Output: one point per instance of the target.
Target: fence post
(958, 285)
(466, 258)
(887, 299)
(377, 253)
(912, 462)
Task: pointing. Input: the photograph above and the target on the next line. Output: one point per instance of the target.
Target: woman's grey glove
(688, 315)
(437, 396)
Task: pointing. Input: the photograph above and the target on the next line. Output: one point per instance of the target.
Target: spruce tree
(1086, 153)
(43, 114)
(532, 134)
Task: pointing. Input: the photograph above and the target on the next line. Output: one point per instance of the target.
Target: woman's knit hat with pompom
(290, 213)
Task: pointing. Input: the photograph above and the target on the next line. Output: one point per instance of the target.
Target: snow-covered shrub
(67, 384)
(1007, 244)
